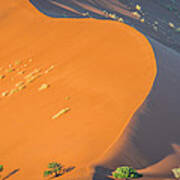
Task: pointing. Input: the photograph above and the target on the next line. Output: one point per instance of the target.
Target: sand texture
(68, 88)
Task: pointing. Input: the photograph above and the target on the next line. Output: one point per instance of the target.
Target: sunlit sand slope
(68, 88)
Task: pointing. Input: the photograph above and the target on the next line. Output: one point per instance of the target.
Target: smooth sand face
(101, 70)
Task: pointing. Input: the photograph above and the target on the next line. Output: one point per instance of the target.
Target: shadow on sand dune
(158, 122)
(159, 176)
(102, 173)
(154, 128)
(65, 170)
(105, 173)
(10, 174)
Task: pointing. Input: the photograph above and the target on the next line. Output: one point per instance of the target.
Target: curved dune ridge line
(151, 140)
(69, 89)
(157, 20)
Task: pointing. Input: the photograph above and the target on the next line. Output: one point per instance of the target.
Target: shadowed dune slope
(151, 141)
(101, 71)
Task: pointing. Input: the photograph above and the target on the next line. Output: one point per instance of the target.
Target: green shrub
(1, 168)
(54, 168)
(126, 172)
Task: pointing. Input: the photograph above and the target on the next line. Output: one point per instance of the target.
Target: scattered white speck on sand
(37, 70)
(28, 75)
(32, 78)
(17, 62)
(136, 14)
(2, 76)
(21, 87)
(67, 98)
(12, 92)
(21, 72)
(85, 14)
(155, 28)
(4, 93)
(43, 86)
(10, 70)
(63, 111)
(138, 7)
(49, 69)
(142, 20)
(19, 83)
(176, 172)
(171, 25)
(120, 19)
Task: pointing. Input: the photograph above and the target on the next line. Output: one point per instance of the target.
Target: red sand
(106, 68)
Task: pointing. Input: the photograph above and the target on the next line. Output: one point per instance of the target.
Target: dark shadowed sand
(152, 138)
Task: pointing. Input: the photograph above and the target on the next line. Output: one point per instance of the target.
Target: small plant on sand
(126, 172)
(176, 172)
(1, 169)
(54, 168)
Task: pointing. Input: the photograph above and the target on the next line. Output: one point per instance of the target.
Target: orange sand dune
(101, 70)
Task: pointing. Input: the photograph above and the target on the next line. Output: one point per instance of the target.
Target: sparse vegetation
(176, 172)
(10, 70)
(126, 172)
(1, 169)
(54, 169)
(2, 76)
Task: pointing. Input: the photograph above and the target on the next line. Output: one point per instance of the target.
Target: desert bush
(126, 172)
(1, 168)
(54, 168)
(176, 172)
